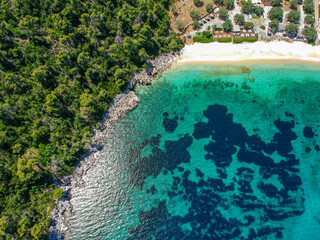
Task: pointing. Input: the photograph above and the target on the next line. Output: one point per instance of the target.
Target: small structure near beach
(300, 36)
(282, 27)
(236, 28)
(266, 2)
(218, 25)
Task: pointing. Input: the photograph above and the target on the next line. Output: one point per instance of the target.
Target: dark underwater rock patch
(227, 141)
(308, 132)
(175, 153)
(169, 124)
(152, 189)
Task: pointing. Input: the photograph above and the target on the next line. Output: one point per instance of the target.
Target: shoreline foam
(121, 105)
(249, 52)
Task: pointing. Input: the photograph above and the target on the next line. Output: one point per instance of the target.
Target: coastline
(230, 53)
(222, 53)
(121, 105)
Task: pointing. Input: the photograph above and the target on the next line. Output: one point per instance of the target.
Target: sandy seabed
(230, 52)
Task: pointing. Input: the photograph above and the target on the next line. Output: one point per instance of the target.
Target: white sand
(225, 52)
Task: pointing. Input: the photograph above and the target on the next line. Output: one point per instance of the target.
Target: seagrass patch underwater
(211, 152)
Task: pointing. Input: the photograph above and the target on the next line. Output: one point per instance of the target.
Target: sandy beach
(229, 52)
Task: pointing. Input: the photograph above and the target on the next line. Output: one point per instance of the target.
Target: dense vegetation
(246, 39)
(249, 8)
(61, 63)
(203, 37)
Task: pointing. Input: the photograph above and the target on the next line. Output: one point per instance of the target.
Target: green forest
(61, 63)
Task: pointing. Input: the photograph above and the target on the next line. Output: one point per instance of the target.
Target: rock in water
(308, 132)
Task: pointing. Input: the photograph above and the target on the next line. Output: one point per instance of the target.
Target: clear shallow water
(212, 152)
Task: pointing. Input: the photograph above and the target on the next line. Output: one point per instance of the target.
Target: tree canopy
(292, 28)
(239, 19)
(61, 63)
(276, 13)
(223, 13)
(308, 6)
(276, 3)
(294, 4)
(258, 10)
(274, 25)
(194, 14)
(310, 33)
(219, 2)
(309, 19)
(293, 16)
(209, 7)
(247, 7)
(227, 25)
(229, 4)
(180, 25)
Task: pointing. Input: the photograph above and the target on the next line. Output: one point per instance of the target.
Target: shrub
(198, 3)
(209, 7)
(248, 25)
(173, 9)
(180, 25)
(219, 2)
(263, 27)
(195, 24)
(57, 193)
(246, 39)
(206, 34)
(224, 39)
(194, 14)
(202, 39)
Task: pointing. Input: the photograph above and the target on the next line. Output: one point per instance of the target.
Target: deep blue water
(212, 152)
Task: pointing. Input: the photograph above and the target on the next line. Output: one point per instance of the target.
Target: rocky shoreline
(118, 108)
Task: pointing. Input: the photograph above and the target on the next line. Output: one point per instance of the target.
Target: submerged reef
(246, 179)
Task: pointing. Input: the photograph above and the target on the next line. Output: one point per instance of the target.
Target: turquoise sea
(211, 152)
